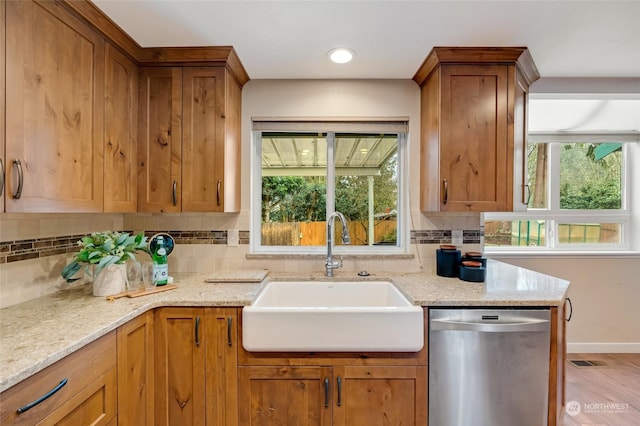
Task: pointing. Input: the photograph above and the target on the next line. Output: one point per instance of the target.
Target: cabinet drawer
(82, 368)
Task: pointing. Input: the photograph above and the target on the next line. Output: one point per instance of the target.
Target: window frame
(554, 215)
(342, 126)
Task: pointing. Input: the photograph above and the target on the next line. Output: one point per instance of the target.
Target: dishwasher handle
(523, 325)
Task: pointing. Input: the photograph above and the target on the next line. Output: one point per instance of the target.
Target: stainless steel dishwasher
(488, 367)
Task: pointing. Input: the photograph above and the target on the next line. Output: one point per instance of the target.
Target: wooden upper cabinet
(3, 163)
(203, 138)
(120, 132)
(189, 132)
(54, 110)
(473, 128)
(160, 139)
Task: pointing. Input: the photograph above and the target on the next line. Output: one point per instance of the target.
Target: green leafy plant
(103, 249)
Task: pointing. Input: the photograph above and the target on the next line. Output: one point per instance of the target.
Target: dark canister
(475, 256)
(471, 270)
(447, 261)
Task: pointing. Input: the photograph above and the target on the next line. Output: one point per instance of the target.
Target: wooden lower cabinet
(87, 397)
(270, 396)
(338, 395)
(195, 366)
(135, 341)
(556, 366)
(395, 395)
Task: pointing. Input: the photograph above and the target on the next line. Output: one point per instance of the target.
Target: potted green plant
(107, 252)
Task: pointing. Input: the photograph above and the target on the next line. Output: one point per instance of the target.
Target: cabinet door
(135, 371)
(380, 396)
(203, 140)
(517, 131)
(120, 132)
(285, 396)
(180, 366)
(474, 144)
(222, 367)
(160, 140)
(54, 110)
(2, 98)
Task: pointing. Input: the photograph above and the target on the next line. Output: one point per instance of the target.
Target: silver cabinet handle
(229, 323)
(197, 331)
(44, 397)
(339, 380)
(218, 187)
(1, 177)
(174, 192)
(532, 325)
(446, 191)
(18, 193)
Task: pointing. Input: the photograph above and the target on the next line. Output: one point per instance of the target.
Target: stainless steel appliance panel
(488, 367)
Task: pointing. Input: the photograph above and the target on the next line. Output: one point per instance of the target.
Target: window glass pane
(591, 176)
(367, 187)
(537, 175)
(514, 233)
(293, 189)
(589, 233)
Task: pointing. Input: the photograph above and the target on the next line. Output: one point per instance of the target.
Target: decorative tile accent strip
(14, 251)
(201, 237)
(443, 236)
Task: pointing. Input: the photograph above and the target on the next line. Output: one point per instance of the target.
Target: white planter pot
(111, 280)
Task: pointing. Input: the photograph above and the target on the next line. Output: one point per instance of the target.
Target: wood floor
(605, 394)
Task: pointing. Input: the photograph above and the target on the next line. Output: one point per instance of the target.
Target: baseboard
(603, 348)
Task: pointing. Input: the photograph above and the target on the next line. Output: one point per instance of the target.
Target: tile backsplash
(35, 247)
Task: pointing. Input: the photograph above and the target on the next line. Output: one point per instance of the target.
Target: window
(578, 173)
(577, 200)
(304, 171)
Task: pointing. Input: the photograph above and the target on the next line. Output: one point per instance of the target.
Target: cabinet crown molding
(518, 56)
(157, 56)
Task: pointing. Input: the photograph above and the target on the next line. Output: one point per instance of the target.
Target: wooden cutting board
(142, 292)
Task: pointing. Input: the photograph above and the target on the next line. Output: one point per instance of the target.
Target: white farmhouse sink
(332, 316)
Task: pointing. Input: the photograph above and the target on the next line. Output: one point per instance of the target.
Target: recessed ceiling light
(341, 55)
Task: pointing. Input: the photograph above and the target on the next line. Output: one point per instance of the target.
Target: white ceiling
(290, 39)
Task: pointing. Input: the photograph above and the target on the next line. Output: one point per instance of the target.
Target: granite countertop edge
(29, 343)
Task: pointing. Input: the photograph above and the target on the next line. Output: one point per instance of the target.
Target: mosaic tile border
(14, 251)
(443, 236)
(201, 237)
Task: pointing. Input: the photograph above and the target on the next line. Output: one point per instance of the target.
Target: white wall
(605, 292)
(330, 98)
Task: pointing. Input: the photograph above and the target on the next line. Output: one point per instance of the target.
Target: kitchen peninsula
(39, 334)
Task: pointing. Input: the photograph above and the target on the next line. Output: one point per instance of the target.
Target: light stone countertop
(36, 334)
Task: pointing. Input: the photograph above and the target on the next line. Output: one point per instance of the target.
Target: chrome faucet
(330, 264)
